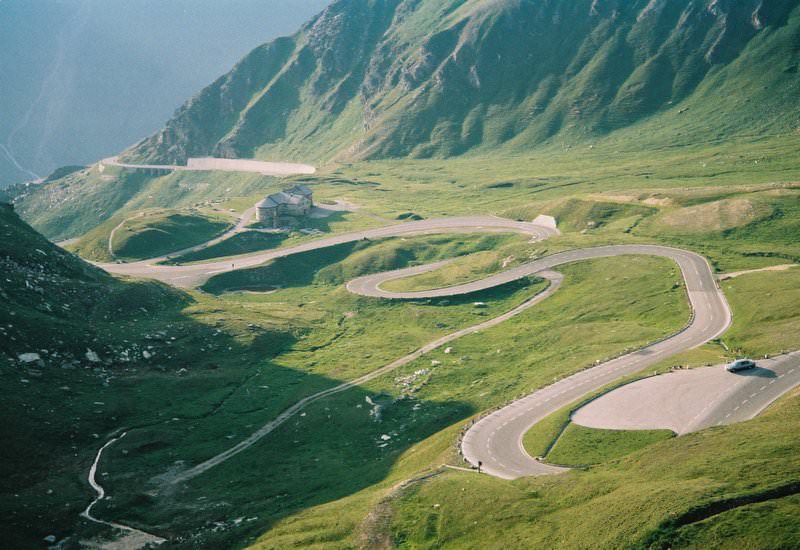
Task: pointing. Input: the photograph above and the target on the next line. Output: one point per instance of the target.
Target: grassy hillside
(153, 234)
(674, 494)
(53, 299)
(580, 446)
(240, 359)
(80, 329)
(642, 121)
(460, 270)
(241, 243)
(72, 206)
(676, 93)
(390, 78)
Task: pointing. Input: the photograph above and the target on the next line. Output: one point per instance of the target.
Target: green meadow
(252, 342)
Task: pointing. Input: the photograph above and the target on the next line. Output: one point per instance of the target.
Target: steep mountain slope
(84, 356)
(51, 300)
(67, 329)
(392, 78)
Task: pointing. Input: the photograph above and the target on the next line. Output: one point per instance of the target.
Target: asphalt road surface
(196, 274)
(496, 439)
(686, 401)
(555, 281)
(207, 164)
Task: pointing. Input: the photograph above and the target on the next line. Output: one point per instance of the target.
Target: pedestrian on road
(479, 466)
(231, 266)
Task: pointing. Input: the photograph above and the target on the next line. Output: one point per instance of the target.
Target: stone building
(297, 201)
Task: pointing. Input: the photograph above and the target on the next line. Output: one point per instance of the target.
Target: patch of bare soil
(716, 216)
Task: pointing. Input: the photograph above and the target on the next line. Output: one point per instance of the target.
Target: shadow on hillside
(334, 448)
(202, 391)
(290, 271)
(240, 243)
(186, 381)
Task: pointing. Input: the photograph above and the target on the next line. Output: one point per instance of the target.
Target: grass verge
(581, 446)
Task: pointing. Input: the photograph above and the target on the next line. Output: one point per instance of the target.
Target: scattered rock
(29, 357)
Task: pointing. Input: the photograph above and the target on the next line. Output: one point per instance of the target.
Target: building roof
(267, 203)
(300, 190)
(295, 195)
(279, 198)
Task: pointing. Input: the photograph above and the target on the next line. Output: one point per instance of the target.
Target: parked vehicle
(740, 364)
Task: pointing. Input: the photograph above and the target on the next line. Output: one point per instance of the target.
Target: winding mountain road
(495, 441)
(193, 275)
(555, 281)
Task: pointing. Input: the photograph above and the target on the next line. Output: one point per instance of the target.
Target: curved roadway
(495, 440)
(686, 401)
(555, 280)
(197, 274)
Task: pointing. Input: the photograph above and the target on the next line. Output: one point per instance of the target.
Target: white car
(740, 364)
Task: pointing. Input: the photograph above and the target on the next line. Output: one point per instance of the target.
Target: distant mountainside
(437, 78)
(83, 79)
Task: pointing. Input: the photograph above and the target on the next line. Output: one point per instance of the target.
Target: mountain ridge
(409, 78)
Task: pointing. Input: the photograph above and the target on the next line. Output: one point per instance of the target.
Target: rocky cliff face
(393, 78)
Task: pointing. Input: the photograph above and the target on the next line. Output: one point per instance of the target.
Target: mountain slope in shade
(425, 78)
